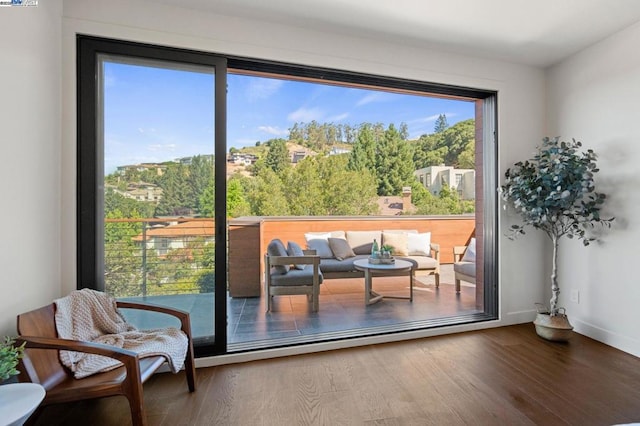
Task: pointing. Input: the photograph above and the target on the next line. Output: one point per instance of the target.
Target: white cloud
(373, 97)
(432, 118)
(276, 131)
(338, 117)
(169, 147)
(262, 88)
(305, 115)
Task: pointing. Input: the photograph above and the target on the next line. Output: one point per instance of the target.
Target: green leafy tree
(467, 158)
(363, 155)
(266, 195)
(277, 158)
(346, 192)
(394, 168)
(237, 204)
(305, 187)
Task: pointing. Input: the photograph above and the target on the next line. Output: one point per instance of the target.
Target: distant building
(188, 160)
(298, 156)
(159, 168)
(162, 239)
(434, 178)
(336, 151)
(243, 159)
(140, 191)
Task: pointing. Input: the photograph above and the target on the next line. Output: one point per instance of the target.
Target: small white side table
(18, 401)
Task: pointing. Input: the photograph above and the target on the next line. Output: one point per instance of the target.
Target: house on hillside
(174, 236)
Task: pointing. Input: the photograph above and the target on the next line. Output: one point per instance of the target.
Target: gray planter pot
(555, 328)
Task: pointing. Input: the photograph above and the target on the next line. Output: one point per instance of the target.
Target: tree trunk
(555, 290)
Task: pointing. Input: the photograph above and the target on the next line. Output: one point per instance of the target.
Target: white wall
(593, 97)
(30, 152)
(521, 116)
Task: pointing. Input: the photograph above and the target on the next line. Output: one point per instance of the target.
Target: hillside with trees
(380, 162)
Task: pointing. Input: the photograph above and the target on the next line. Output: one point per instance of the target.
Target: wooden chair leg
(190, 369)
(136, 405)
(457, 286)
(437, 275)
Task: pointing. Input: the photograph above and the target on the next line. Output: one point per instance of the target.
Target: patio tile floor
(342, 310)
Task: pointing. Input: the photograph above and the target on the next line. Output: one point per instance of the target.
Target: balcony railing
(146, 257)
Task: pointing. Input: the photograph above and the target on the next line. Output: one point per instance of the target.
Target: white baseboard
(623, 343)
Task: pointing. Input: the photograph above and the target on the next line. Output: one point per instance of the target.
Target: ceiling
(533, 32)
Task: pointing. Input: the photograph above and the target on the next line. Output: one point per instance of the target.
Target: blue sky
(156, 114)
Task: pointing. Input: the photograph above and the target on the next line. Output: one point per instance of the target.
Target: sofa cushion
(397, 241)
(340, 248)
(277, 248)
(467, 268)
(419, 244)
(296, 277)
(421, 262)
(361, 241)
(335, 265)
(294, 249)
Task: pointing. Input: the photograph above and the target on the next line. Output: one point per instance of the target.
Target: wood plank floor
(501, 376)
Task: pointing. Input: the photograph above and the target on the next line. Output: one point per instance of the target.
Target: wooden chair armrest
(309, 252)
(183, 316)
(435, 248)
(458, 251)
(34, 342)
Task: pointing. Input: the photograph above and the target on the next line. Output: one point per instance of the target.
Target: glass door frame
(90, 166)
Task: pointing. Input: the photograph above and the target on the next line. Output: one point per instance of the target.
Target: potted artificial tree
(555, 192)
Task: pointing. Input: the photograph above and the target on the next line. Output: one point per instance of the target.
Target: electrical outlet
(575, 296)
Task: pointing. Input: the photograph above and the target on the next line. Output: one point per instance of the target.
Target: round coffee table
(371, 269)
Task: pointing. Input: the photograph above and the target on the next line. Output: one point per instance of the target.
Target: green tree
(346, 192)
(266, 195)
(175, 192)
(441, 124)
(277, 158)
(237, 204)
(199, 178)
(394, 168)
(467, 158)
(363, 154)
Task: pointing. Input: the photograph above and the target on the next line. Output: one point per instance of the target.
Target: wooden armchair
(280, 279)
(41, 363)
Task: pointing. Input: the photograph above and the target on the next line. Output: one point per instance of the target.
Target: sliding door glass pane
(157, 129)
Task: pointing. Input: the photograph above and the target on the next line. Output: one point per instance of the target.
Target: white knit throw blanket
(90, 315)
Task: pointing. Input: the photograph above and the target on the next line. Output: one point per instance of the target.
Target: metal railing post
(144, 259)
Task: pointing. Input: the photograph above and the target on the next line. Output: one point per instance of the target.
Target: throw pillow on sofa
(320, 243)
(277, 248)
(294, 249)
(340, 248)
(398, 241)
(419, 244)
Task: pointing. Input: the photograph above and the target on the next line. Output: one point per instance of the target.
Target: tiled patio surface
(342, 310)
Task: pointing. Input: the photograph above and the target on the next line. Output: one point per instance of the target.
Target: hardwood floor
(501, 376)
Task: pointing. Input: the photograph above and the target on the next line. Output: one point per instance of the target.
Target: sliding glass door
(154, 165)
